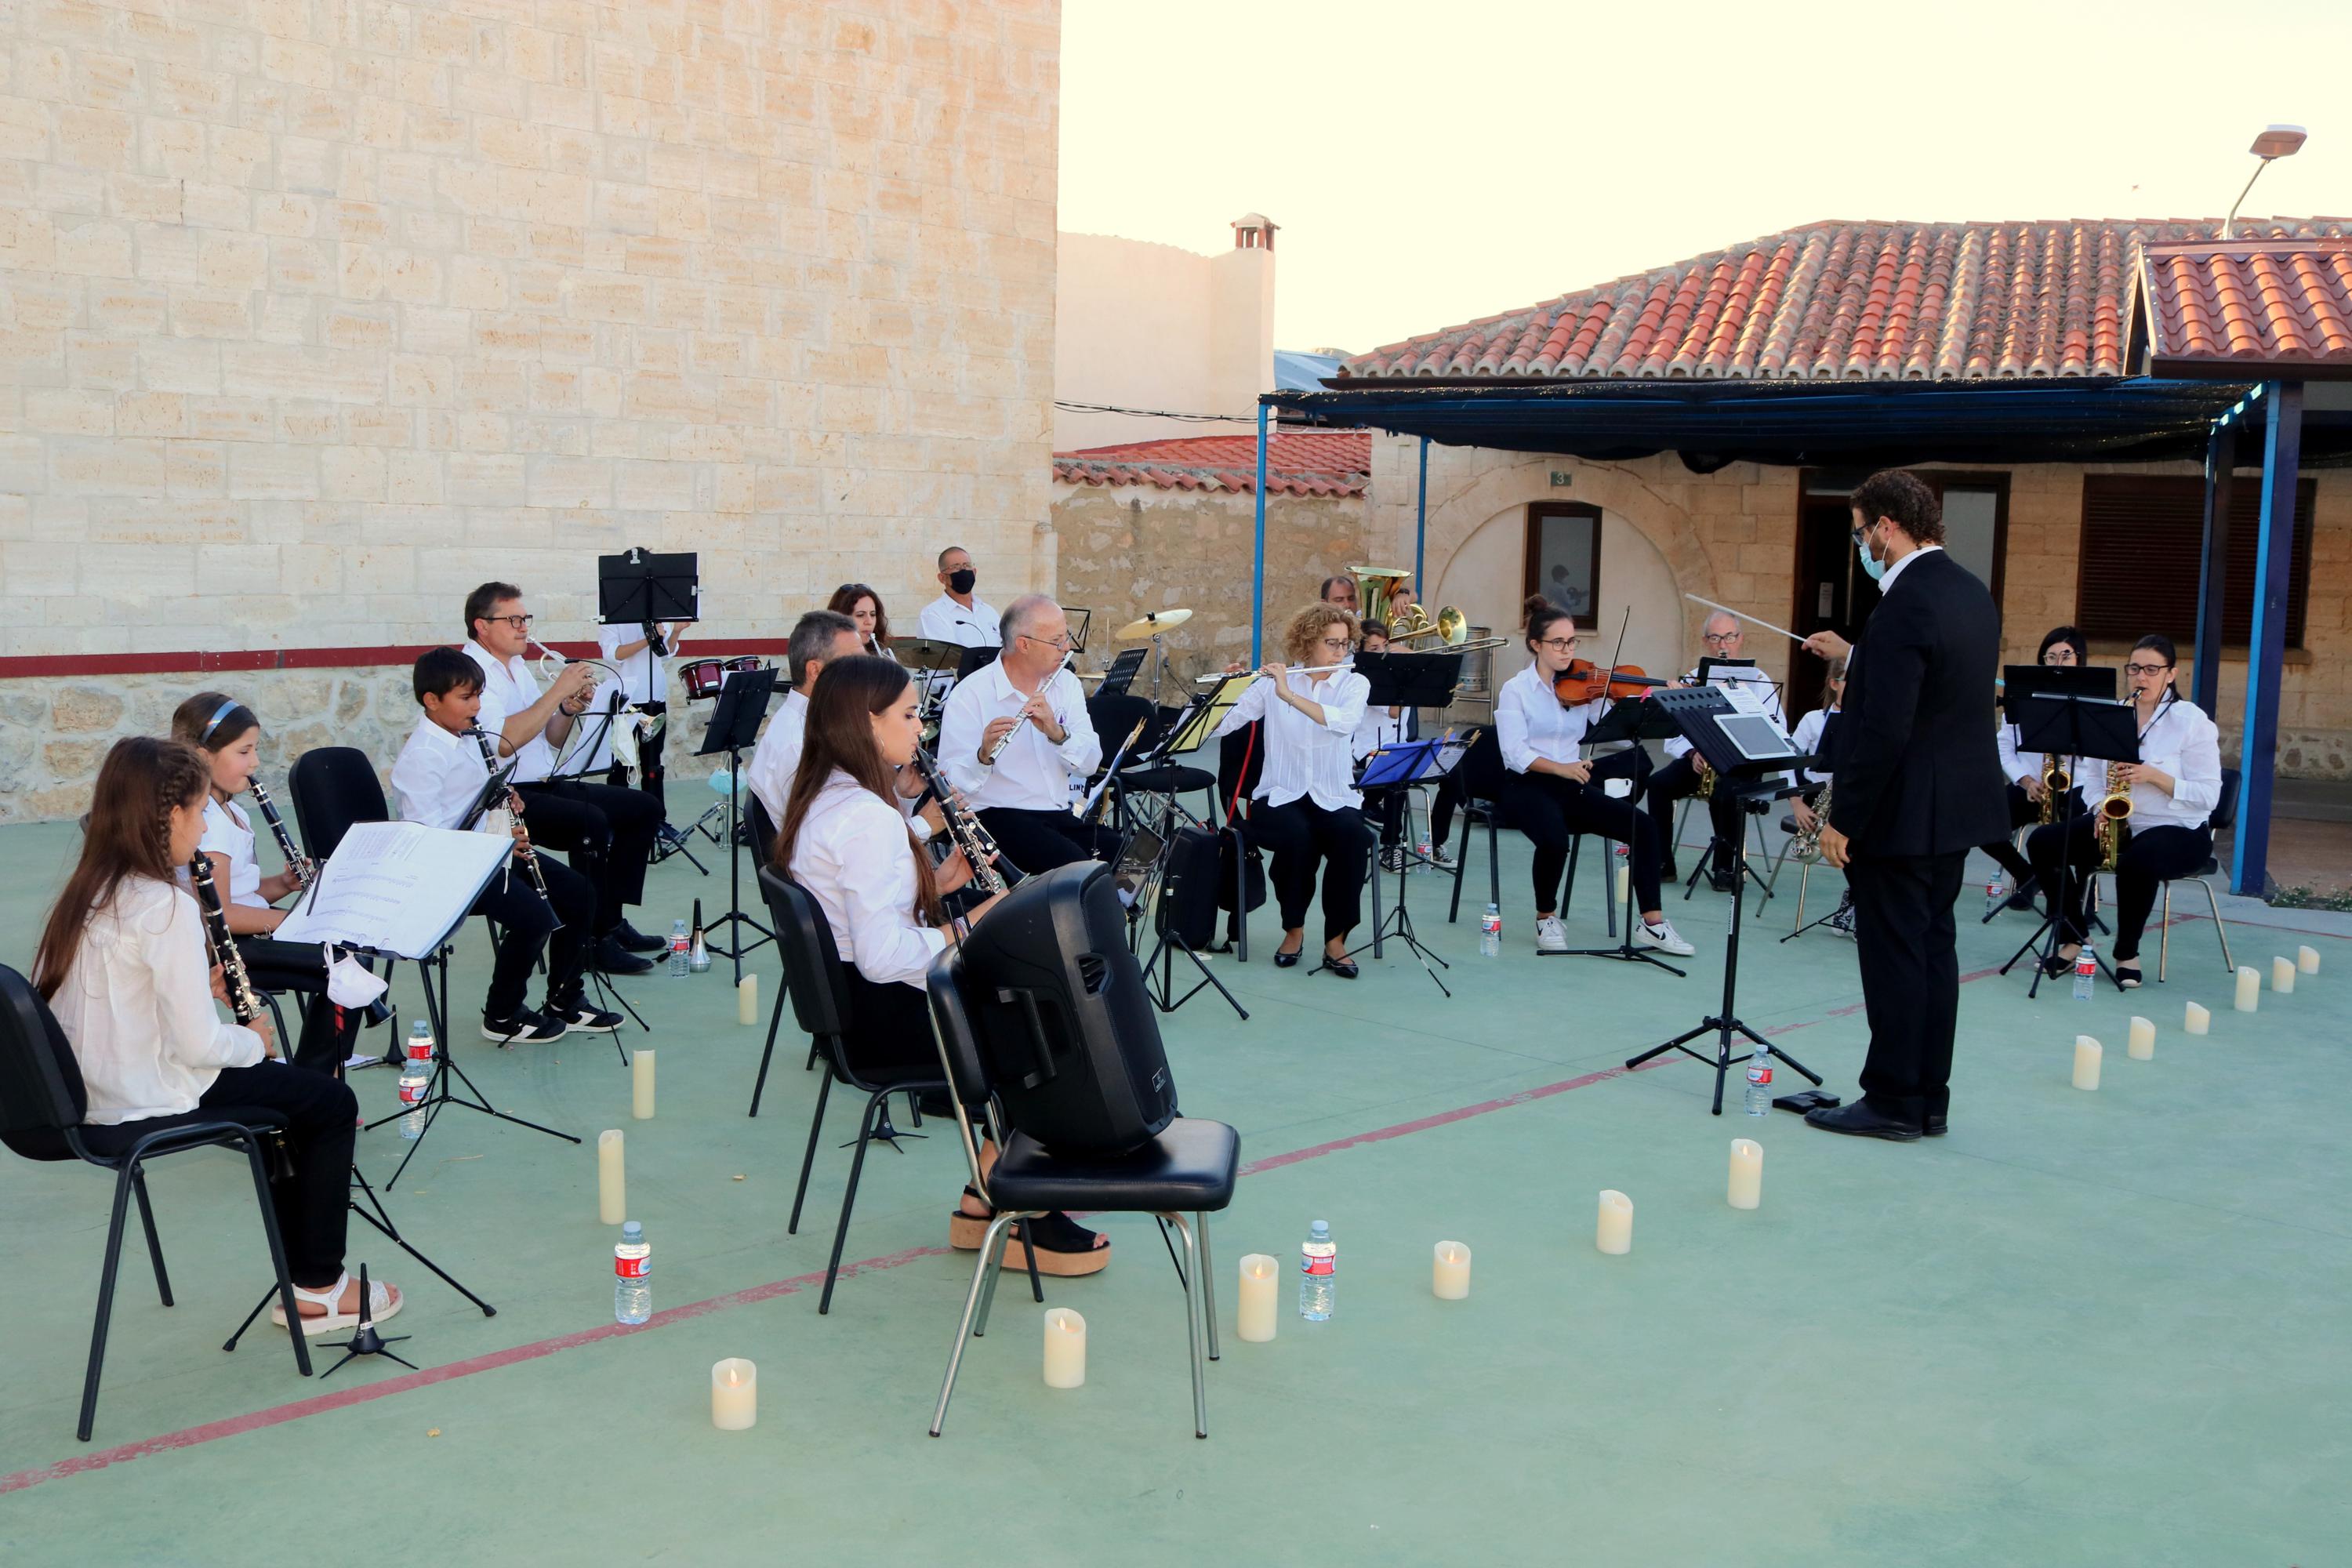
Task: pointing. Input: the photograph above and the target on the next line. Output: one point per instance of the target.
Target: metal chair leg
(816, 1128)
(775, 1016)
(983, 1271)
(278, 1255)
(105, 1301)
(2229, 964)
(154, 1246)
(1568, 893)
(1208, 1283)
(1192, 1326)
(1461, 853)
(877, 1109)
(2164, 936)
(1494, 867)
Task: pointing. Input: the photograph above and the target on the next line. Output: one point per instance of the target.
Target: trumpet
(2055, 781)
(979, 847)
(298, 864)
(241, 1000)
(2115, 817)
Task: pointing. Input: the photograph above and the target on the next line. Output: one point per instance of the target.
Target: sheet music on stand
(1193, 730)
(396, 887)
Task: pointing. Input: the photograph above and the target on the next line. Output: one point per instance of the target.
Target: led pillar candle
(1625, 880)
(2142, 1045)
(2307, 959)
(1615, 1234)
(1261, 1277)
(611, 1190)
(747, 1000)
(641, 1086)
(2199, 1020)
(1747, 1174)
(2249, 989)
(1449, 1276)
(2282, 975)
(2086, 1062)
(734, 1394)
(1065, 1349)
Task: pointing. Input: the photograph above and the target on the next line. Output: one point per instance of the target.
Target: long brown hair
(844, 603)
(129, 834)
(840, 734)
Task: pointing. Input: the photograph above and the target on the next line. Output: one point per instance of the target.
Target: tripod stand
(1631, 721)
(1185, 874)
(735, 724)
(2091, 728)
(1400, 768)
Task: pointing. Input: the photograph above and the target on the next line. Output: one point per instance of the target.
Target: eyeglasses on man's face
(520, 623)
(1062, 641)
(1720, 639)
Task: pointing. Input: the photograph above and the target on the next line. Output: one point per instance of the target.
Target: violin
(1584, 682)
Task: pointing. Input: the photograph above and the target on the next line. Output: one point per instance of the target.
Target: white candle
(1747, 1174)
(1253, 1319)
(747, 999)
(611, 1190)
(2307, 959)
(2282, 975)
(2086, 1062)
(1625, 880)
(2249, 989)
(1449, 1274)
(734, 1394)
(1615, 1234)
(1065, 1348)
(2199, 1020)
(2141, 1047)
(641, 1086)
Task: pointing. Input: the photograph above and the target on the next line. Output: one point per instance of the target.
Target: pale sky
(1434, 162)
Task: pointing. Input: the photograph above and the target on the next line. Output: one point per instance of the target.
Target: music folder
(396, 887)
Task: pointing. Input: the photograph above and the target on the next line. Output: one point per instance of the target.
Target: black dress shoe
(609, 957)
(1345, 968)
(1724, 881)
(1286, 959)
(1935, 1127)
(636, 940)
(1857, 1119)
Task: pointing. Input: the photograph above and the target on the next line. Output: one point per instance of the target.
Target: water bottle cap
(1319, 1229)
(632, 1232)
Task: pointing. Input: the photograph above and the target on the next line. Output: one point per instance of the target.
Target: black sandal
(1065, 1249)
(2128, 973)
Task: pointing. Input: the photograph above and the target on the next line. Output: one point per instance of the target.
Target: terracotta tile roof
(1297, 463)
(2240, 307)
(1880, 301)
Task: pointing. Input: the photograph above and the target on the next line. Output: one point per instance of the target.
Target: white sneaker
(1551, 935)
(1664, 937)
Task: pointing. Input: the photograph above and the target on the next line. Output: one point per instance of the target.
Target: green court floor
(2095, 1329)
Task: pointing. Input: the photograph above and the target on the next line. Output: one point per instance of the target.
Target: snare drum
(704, 677)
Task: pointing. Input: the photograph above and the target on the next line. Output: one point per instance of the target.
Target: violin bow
(1623, 625)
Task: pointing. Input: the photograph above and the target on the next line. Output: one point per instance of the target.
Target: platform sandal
(1065, 1249)
(381, 1299)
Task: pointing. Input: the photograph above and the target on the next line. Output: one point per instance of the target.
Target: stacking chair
(1482, 791)
(1189, 1168)
(1169, 780)
(762, 828)
(43, 1110)
(820, 994)
(2224, 818)
(783, 987)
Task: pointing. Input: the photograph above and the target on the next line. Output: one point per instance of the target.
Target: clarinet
(979, 848)
(296, 863)
(240, 986)
(514, 803)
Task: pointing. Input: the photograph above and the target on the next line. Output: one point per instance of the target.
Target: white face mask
(348, 984)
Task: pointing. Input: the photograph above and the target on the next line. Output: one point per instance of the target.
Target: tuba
(2055, 781)
(1373, 586)
(2115, 817)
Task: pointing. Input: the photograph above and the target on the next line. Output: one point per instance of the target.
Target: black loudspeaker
(1188, 888)
(1065, 1026)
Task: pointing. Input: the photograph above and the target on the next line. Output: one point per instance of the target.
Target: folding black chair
(43, 1110)
(2224, 818)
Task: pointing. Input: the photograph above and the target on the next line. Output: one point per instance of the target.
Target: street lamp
(2275, 142)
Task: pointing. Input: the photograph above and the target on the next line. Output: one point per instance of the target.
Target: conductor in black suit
(1918, 784)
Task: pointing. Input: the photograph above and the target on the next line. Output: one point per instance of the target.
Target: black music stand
(1401, 767)
(2020, 681)
(1738, 746)
(1634, 721)
(1119, 674)
(735, 723)
(1708, 665)
(2097, 729)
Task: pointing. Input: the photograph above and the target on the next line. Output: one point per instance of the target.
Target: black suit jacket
(1919, 767)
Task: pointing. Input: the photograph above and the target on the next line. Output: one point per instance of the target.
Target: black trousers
(1040, 840)
(608, 833)
(889, 1035)
(559, 923)
(1301, 836)
(1448, 800)
(1675, 781)
(2148, 859)
(1903, 929)
(1386, 807)
(328, 1030)
(314, 1204)
(2023, 812)
(1551, 810)
(651, 777)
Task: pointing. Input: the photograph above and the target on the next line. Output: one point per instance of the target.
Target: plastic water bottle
(415, 1075)
(1759, 1082)
(633, 1267)
(2086, 972)
(1319, 1274)
(681, 950)
(1490, 931)
(1996, 890)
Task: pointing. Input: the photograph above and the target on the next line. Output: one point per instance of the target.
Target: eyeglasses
(1062, 642)
(2146, 669)
(1338, 644)
(1559, 645)
(520, 623)
(1720, 638)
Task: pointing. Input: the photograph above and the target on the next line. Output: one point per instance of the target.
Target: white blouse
(507, 688)
(2016, 764)
(1303, 758)
(778, 756)
(1034, 773)
(137, 1005)
(643, 678)
(228, 832)
(2181, 742)
(1530, 721)
(855, 857)
(1807, 738)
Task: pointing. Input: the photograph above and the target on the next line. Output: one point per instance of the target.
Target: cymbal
(1151, 624)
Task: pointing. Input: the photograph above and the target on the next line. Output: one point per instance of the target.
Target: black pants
(1442, 808)
(2148, 859)
(650, 773)
(1040, 840)
(1672, 782)
(1903, 929)
(607, 832)
(1300, 836)
(2024, 811)
(328, 1030)
(1386, 807)
(1551, 810)
(527, 923)
(889, 1035)
(314, 1202)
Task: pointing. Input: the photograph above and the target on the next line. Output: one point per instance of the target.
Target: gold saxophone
(1808, 843)
(2055, 781)
(2115, 817)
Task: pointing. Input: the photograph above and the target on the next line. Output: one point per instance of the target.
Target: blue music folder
(1401, 764)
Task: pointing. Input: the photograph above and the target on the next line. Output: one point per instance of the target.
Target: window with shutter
(2142, 538)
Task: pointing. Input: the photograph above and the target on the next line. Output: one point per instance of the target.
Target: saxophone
(2115, 817)
(2055, 781)
(1807, 845)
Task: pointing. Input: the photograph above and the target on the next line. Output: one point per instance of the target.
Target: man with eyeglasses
(606, 833)
(1685, 771)
(1029, 702)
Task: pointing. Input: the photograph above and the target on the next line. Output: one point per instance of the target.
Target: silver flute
(979, 847)
(1006, 739)
(296, 863)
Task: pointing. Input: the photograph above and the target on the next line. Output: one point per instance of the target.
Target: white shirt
(944, 620)
(1531, 722)
(227, 832)
(1376, 730)
(778, 756)
(1747, 673)
(1886, 583)
(137, 1005)
(855, 857)
(437, 776)
(2016, 764)
(1302, 757)
(643, 678)
(2182, 742)
(508, 688)
(1807, 738)
(1034, 773)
